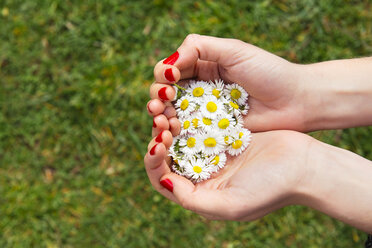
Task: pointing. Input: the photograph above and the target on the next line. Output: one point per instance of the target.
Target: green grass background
(74, 80)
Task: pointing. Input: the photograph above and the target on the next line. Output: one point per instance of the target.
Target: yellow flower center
(237, 144)
(241, 135)
(198, 91)
(207, 121)
(186, 124)
(216, 93)
(226, 139)
(216, 160)
(184, 104)
(211, 107)
(197, 169)
(223, 123)
(210, 142)
(176, 161)
(191, 142)
(234, 105)
(195, 122)
(235, 93)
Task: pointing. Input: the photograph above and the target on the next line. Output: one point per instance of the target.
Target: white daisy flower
(210, 143)
(199, 89)
(211, 107)
(187, 127)
(180, 170)
(184, 106)
(242, 139)
(233, 107)
(217, 88)
(225, 122)
(217, 161)
(188, 145)
(207, 124)
(236, 93)
(197, 170)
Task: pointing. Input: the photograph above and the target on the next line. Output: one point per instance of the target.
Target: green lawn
(74, 79)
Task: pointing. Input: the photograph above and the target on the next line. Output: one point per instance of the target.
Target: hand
(276, 96)
(265, 177)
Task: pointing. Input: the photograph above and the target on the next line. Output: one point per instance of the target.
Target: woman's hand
(276, 96)
(267, 176)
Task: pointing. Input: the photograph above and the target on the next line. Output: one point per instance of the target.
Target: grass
(74, 80)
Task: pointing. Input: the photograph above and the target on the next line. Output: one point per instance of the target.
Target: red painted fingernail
(159, 138)
(162, 94)
(171, 59)
(166, 183)
(169, 75)
(153, 124)
(148, 108)
(152, 151)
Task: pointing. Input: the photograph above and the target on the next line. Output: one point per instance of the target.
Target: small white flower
(197, 170)
(217, 88)
(241, 139)
(188, 145)
(211, 107)
(187, 126)
(236, 93)
(199, 89)
(210, 143)
(207, 124)
(185, 106)
(217, 161)
(225, 122)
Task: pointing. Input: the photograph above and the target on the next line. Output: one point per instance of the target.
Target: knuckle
(192, 38)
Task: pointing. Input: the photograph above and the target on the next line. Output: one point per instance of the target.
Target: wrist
(337, 183)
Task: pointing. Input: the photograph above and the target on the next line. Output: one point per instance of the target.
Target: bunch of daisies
(211, 125)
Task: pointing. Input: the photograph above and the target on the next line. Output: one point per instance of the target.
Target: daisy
(217, 88)
(225, 122)
(218, 161)
(210, 143)
(197, 170)
(206, 123)
(211, 107)
(236, 93)
(177, 168)
(187, 126)
(199, 89)
(240, 143)
(185, 106)
(188, 145)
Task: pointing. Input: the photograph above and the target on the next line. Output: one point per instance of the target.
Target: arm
(339, 184)
(338, 93)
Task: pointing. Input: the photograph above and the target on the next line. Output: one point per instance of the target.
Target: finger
(155, 107)
(164, 137)
(170, 112)
(174, 126)
(162, 92)
(159, 124)
(220, 50)
(203, 70)
(166, 73)
(212, 202)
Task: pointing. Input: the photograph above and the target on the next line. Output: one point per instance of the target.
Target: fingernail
(152, 151)
(153, 124)
(171, 59)
(166, 183)
(148, 108)
(162, 94)
(169, 75)
(159, 138)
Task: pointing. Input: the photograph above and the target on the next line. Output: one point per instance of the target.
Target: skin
(279, 168)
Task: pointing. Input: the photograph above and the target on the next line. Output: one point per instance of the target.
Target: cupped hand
(265, 177)
(276, 93)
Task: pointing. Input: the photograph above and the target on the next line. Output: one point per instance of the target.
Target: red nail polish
(169, 75)
(159, 138)
(162, 94)
(153, 124)
(148, 108)
(152, 151)
(171, 59)
(166, 183)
